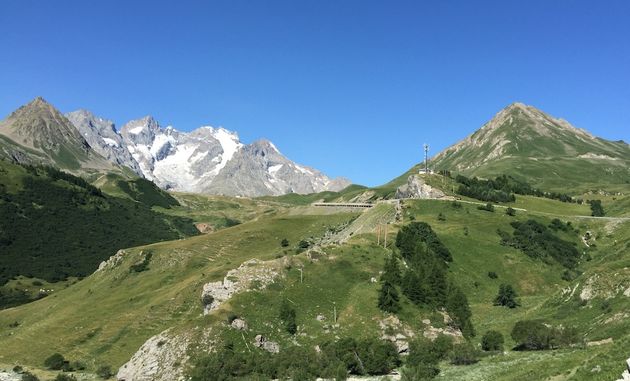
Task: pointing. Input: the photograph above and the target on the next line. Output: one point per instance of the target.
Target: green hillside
(545, 151)
(54, 225)
(106, 317)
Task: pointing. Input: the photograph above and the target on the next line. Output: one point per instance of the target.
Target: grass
(106, 317)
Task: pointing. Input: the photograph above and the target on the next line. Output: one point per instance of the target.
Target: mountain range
(206, 160)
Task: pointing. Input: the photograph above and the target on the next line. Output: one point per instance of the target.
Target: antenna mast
(426, 158)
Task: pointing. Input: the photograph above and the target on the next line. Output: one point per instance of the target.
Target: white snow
(229, 143)
(274, 169)
(160, 141)
(303, 170)
(136, 130)
(274, 147)
(111, 142)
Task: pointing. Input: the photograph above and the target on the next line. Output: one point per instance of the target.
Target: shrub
(104, 372)
(55, 361)
(488, 207)
(65, 377)
(142, 266)
(304, 244)
(510, 211)
(28, 376)
(231, 317)
(506, 297)
(536, 335)
(492, 341)
(207, 299)
(421, 372)
(287, 315)
(441, 217)
(18, 369)
(284, 242)
(492, 275)
(597, 210)
(464, 354)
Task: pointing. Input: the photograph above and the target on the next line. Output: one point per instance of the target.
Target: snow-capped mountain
(206, 160)
(102, 136)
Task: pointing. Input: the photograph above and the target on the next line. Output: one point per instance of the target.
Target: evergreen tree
(506, 297)
(388, 298)
(287, 315)
(391, 271)
(457, 306)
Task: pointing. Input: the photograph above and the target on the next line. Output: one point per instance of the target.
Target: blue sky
(353, 88)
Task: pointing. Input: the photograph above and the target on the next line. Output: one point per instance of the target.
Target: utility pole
(385, 238)
(426, 158)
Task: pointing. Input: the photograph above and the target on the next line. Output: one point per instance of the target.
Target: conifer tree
(388, 298)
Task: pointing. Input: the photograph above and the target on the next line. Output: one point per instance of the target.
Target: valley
(158, 284)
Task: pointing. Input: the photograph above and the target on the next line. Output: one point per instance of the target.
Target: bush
(28, 376)
(104, 372)
(284, 242)
(597, 210)
(421, 372)
(287, 316)
(488, 207)
(492, 341)
(231, 317)
(55, 361)
(65, 377)
(536, 335)
(510, 211)
(492, 275)
(464, 354)
(506, 297)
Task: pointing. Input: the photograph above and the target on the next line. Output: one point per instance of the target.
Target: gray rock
(102, 136)
(270, 346)
(239, 324)
(417, 188)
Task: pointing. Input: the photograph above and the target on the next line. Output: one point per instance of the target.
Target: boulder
(239, 324)
(270, 346)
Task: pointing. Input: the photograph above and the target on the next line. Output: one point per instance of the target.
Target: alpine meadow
(155, 253)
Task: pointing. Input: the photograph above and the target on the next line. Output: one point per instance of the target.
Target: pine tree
(388, 298)
(458, 308)
(391, 271)
(506, 297)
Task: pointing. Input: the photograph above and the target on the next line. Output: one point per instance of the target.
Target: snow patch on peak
(274, 169)
(229, 144)
(136, 130)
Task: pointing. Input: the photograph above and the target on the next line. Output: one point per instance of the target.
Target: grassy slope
(168, 294)
(106, 317)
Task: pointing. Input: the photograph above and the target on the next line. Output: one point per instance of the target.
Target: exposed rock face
(239, 280)
(102, 136)
(417, 188)
(160, 358)
(112, 261)
(270, 346)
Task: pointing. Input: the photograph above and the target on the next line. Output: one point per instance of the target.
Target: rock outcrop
(161, 358)
(416, 187)
(248, 274)
(270, 346)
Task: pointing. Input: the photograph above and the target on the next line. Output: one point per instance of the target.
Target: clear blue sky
(353, 88)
